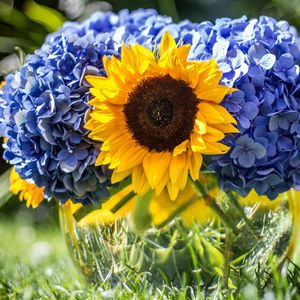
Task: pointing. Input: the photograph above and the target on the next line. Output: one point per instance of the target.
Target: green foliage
(34, 264)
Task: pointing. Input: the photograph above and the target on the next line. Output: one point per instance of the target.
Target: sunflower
(156, 114)
(27, 191)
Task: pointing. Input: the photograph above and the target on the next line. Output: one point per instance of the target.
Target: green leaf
(5, 193)
(47, 17)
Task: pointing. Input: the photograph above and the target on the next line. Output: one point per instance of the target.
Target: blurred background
(24, 25)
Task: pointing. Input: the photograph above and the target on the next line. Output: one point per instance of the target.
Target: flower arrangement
(131, 116)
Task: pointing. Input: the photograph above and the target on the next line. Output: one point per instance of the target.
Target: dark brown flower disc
(160, 112)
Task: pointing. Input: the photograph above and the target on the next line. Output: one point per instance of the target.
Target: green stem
(84, 211)
(241, 212)
(168, 7)
(227, 257)
(213, 204)
(178, 210)
(123, 201)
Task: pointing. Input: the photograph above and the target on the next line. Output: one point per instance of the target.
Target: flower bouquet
(172, 149)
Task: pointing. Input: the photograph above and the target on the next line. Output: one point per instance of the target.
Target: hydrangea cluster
(260, 57)
(44, 105)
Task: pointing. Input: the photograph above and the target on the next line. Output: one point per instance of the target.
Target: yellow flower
(263, 202)
(27, 191)
(2, 84)
(157, 116)
(195, 208)
(106, 214)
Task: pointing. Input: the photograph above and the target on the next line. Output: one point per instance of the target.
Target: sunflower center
(160, 112)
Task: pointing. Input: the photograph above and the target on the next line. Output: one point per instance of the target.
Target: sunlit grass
(34, 264)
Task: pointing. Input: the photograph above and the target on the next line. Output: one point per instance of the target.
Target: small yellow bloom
(27, 191)
(264, 202)
(157, 116)
(2, 84)
(105, 215)
(162, 207)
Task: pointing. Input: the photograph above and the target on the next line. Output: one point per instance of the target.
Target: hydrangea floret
(260, 57)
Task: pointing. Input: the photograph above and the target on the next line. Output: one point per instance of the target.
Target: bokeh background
(24, 25)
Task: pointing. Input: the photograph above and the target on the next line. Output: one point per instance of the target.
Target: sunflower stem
(227, 256)
(177, 211)
(168, 7)
(123, 201)
(84, 211)
(213, 204)
(241, 212)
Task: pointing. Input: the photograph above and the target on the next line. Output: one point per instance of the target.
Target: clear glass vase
(214, 238)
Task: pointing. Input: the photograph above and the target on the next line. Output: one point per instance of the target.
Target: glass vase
(214, 238)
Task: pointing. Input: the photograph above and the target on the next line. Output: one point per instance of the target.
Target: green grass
(34, 264)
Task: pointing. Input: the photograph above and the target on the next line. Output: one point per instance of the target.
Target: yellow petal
(103, 158)
(155, 164)
(183, 52)
(225, 113)
(139, 181)
(180, 148)
(101, 82)
(173, 191)
(215, 148)
(97, 217)
(213, 135)
(195, 166)
(182, 179)
(167, 43)
(213, 93)
(177, 166)
(119, 176)
(200, 123)
(215, 114)
(102, 116)
(131, 158)
(226, 128)
(117, 139)
(162, 183)
(197, 143)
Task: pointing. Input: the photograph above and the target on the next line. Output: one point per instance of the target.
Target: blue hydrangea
(44, 105)
(260, 57)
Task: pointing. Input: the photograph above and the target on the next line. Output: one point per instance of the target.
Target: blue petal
(267, 61)
(246, 159)
(249, 110)
(69, 165)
